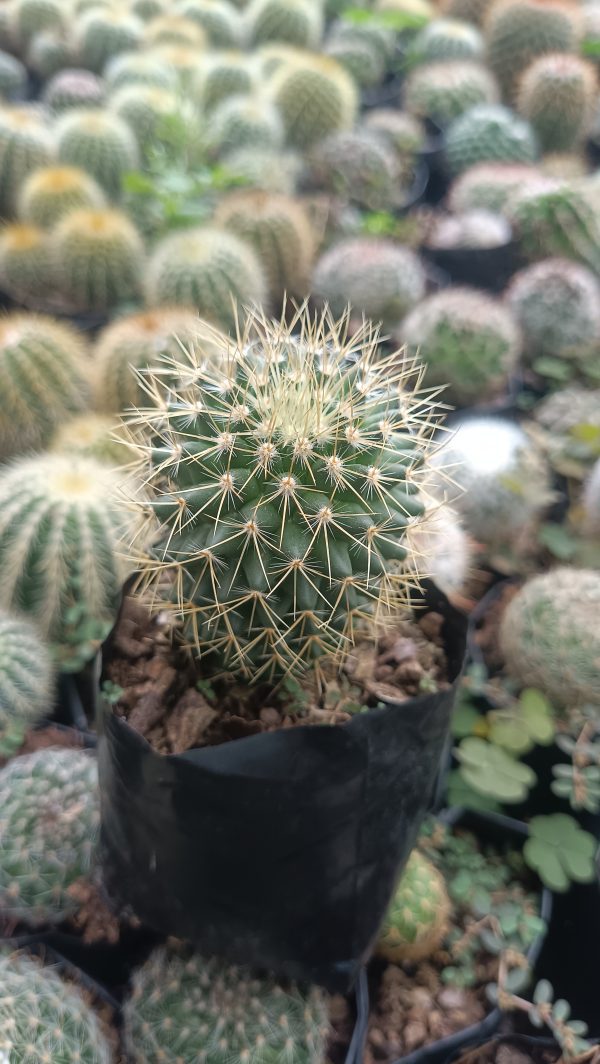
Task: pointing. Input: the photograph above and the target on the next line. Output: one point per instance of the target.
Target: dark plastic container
(487, 268)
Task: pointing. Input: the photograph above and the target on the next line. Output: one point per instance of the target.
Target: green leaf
(488, 769)
(543, 993)
(552, 368)
(560, 851)
(465, 719)
(558, 541)
(591, 47)
(459, 793)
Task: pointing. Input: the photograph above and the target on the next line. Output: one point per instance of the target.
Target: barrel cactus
(101, 34)
(357, 165)
(245, 121)
(53, 191)
(50, 52)
(98, 258)
(139, 68)
(315, 97)
(446, 39)
(94, 436)
(518, 31)
(73, 89)
(557, 95)
(549, 636)
(486, 133)
(26, 680)
(361, 58)
(443, 91)
(467, 339)
(13, 76)
(417, 920)
(297, 22)
(175, 31)
(190, 1008)
(25, 144)
(100, 143)
(25, 262)
(224, 74)
(28, 17)
(375, 276)
(145, 108)
(218, 19)
(489, 186)
(556, 219)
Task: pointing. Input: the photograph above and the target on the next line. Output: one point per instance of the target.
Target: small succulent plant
(489, 186)
(443, 91)
(295, 22)
(73, 89)
(358, 166)
(372, 275)
(489, 132)
(25, 262)
(417, 919)
(445, 40)
(557, 94)
(558, 219)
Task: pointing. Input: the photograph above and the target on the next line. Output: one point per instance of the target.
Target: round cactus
(133, 343)
(185, 1007)
(443, 91)
(224, 74)
(279, 230)
(549, 636)
(50, 818)
(466, 10)
(375, 276)
(209, 269)
(42, 380)
(557, 95)
(357, 165)
(488, 132)
(25, 262)
(145, 108)
(98, 258)
(489, 186)
(296, 22)
(245, 121)
(174, 30)
(403, 131)
(29, 17)
(315, 97)
(417, 920)
(25, 145)
(557, 304)
(147, 9)
(270, 171)
(50, 52)
(26, 682)
(446, 39)
(591, 495)
(517, 31)
(44, 1019)
(13, 76)
(467, 339)
(291, 492)
(219, 20)
(50, 193)
(564, 410)
(73, 89)
(101, 34)
(139, 68)
(443, 543)
(100, 143)
(556, 219)
(360, 57)
(94, 436)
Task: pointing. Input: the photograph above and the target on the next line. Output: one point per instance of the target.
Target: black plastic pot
(488, 268)
(90, 323)
(280, 850)
(434, 155)
(417, 193)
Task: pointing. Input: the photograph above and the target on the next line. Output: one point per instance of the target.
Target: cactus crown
(286, 475)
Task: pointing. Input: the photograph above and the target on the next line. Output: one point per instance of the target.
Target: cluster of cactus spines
(139, 68)
(145, 108)
(557, 304)
(447, 39)
(279, 230)
(209, 269)
(51, 192)
(553, 218)
(50, 817)
(99, 142)
(42, 380)
(98, 258)
(375, 276)
(103, 33)
(486, 133)
(315, 96)
(245, 121)
(591, 494)
(73, 89)
(549, 636)
(443, 91)
(174, 30)
(518, 31)
(312, 448)
(13, 76)
(26, 678)
(221, 75)
(357, 165)
(445, 545)
(30, 17)
(186, 1007)
(94, 436)
(490, 186)
(418, 918)
(25, 262)
(557, 95)
(468, 340)
(44, 1019)
(296, 22)
(404, 132)
(25, 144)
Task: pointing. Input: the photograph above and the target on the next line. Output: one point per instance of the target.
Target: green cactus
(73, 89)
(291, 490)
(175, 31)
(25, 262)
(182, 60)
(98, 257)
(139, 68)
(147, 9)
(207, 268)
(518, 31)
(404, 132)
(417, 920)
(443, 91)
(28, 17)
(315, 97)
(486, 133)
(224, 74)
(101, 34)
(279, 230)
(466, 10)
(360, 57)
(145, 108)
(13, 76)
(270, 171)
(245, 122)
(26, 681)
(219, 20)
(51, 192)
(445, 40)
(490, 186)
(375, 276)
(133, 343)
(295, 22)
(556, 219)
(44, 1019)
(43, 380)
(50, 52)
(100, 143)
(550, 639)
(185, 1007)
(468, 341)
(557, 95)
(359, 166)
(94, 436)
(25, 145)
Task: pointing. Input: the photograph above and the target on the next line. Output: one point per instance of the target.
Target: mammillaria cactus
(467, 339)
(99, 142)
(564, 410)
(489, 132)
(147, 9)
(245, 121)
(442, 91)
(43, 1019)
(557, 94)
(25, 145)
(375, 276)
(224, 74)
(13, 76)
(489, 186)
(42, 380)
(297, 22)
(446, 39)
(98, 258)
(549, 636)
(26, 680)
(357, 165)
(73, 89)
(139, 68)
(517, 31)
(556, 219)
(417, 920)
(315, 97)
(303, 414)
(51, 192)
(28, 17)
(101, 34)
(443, 543)
(209, 269)
(191, 1008)
(25, 262)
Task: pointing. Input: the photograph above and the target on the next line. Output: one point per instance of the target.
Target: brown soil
(161, 699)
(93, 920)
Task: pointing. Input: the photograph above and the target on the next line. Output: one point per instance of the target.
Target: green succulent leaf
(520, 727)
(560, 851)
(490, 770)
(558, 540)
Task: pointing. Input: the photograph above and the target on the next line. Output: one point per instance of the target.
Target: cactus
(291, 491)
(26, 681)
(443, 543)
(468, 341)
(557, 95)
(29, 17)
(358, 166)
(489, 186)
(315, 97)
(473, 229)
(50, 817)
(296, 22)
(50, 52)
(185, 1007)
(133, 343)
(565, 166)
(591, 495)
(44, 1019)
(42, 380)
(518, 31)
(94, 436)
(417, 920)
(402, 131)
(183, 61)
(489, 132)
(556, 219)
(280, 232)
(147, 9)
(446, 39)
(206, 268)
(443, 91)
(101, 34)
(139, 68)
(98, 258)
(144, 109)
(564, 410)
(25, 144)
(73, 89)
(224, 74)
(218, 19)
(25, 262)
(377, 277)
(270, 171)
(100, 143)
(549, 636)
(50, 193)
(466, 10)
(361, 58)
(174, 30)
(13, 76)
(245, 122)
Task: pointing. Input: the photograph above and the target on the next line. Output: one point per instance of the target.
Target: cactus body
(147, 9)
(557, 304)
(270, 171)
(218, 19)
(50, 193)
(557, 95)
(189, 1008)
(549, 636)
(315, 97)
(296, 22)
(25, 145)
(29, 17)
(417, 920)
(517, 31)
(99, 258)
(139, 68)
(442, 540)
(26, 680)
(360, 57)
(13, 76)
(174, 30)
(50, 52)
(25, 262)
(375, 276)
(93, 436)
(102, 34)
(245, 122)
(182, 60)
(556, 219)
(73, 89)
(445, 40)
(145, 108)
(489, 132)
(443, 91)
(359, 166)
(224, 74)
(489, 186)
(404, 132)
(466, 10)
(100, 143)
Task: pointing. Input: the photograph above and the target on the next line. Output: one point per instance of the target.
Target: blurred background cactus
(26, 680)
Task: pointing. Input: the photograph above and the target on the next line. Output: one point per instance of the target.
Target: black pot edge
(519, 1041)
